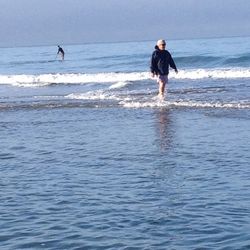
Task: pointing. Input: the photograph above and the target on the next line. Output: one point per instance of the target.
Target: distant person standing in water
(61, 52)
(160, 62)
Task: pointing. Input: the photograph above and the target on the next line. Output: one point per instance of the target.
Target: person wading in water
(61, 52)
(160, 61)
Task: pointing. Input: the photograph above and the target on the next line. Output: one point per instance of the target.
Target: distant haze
(42, 22)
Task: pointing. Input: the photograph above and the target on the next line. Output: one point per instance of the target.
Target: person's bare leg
(161, 89)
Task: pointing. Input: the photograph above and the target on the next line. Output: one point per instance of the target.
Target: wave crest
(120, 79)
(74, 78)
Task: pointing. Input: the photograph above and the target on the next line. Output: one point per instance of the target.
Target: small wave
(119, 79)
(15, 63)
(198, 60)
(104, 100)
(50, 79)
(212, 73)
(187, 104)
(205, 60)
(47, 106)
(141, 100)
(243, 60)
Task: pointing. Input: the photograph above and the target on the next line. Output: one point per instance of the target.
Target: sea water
(91, 159)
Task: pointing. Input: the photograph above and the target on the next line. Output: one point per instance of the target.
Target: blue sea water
(91, 159)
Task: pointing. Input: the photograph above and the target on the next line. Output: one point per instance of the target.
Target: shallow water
(124, 179)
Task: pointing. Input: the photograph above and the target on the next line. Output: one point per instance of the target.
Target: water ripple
(98, 181)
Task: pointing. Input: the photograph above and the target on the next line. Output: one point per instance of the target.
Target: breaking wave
(74, 78)
(120, 79)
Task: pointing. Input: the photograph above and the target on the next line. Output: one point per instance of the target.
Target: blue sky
(38, 22)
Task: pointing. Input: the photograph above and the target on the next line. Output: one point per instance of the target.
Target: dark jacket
(60, 50)
(160, 62)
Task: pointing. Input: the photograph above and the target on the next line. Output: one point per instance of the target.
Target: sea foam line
(144, 102)
(121, 78)
(74, 78)
(212, 73)
(187, 104)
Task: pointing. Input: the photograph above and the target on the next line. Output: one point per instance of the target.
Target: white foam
(93, 95)
(188, 104)
(48, 79)
(212, 73)
(119, 80)
(119, 85)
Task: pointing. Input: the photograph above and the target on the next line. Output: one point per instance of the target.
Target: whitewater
(137, 89)
(80, 78)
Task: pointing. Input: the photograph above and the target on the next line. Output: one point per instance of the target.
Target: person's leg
(161, 88)
(162, 81)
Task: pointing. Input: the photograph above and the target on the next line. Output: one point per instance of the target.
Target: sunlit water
(90, 159)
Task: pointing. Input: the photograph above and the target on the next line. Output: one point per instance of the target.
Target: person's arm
(172, 64)
(153, 66)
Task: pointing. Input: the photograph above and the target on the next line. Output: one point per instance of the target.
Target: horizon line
(122, 41)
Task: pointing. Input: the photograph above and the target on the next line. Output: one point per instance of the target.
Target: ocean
(91, 159)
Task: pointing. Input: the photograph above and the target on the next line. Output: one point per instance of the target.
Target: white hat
(161, 41)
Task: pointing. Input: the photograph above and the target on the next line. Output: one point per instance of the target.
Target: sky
(51, 22)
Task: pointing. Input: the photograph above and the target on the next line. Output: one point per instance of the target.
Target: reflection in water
(168, 178)
(163, 129)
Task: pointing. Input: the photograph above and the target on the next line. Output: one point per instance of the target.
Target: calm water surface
(124, 179)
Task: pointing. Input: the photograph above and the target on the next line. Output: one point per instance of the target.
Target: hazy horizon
(110, 42)
(44, 23)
